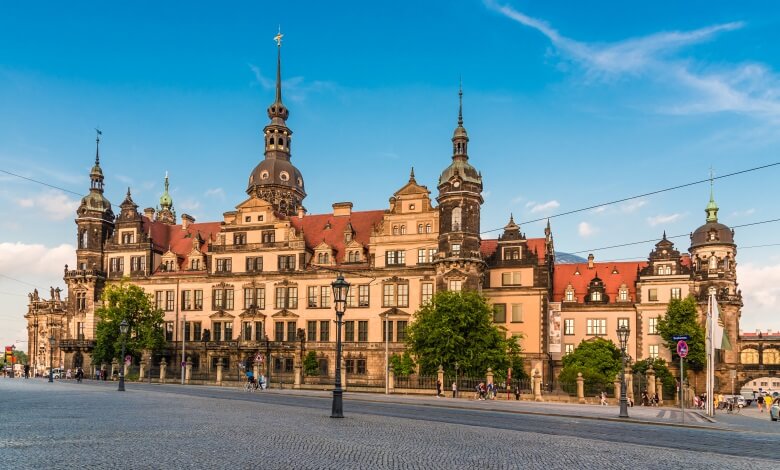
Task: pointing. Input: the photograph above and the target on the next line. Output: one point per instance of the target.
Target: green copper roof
(166, 202)
(712, 208)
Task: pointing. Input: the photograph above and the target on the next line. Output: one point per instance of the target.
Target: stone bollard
(580, 388)
(617, 388)
(188, 370)
(114, 367)
(659, 389)
(489, 376)
(630, 383)
(298, 375)
(391, 379)
(163, 366)
(440, 377)
(220, 366)
(343, 374)
(650, 374)
(538, 386)
(256, 370)
(141, 370)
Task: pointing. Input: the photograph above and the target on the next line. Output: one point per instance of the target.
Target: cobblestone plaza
(91, 425)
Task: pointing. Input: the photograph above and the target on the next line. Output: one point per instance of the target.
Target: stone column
(659, 388)
(343, 373)
(440, 376)
(256, 370)
(163, 366)
(630, 383)
(537, 386)
(298, 374)
(489, 375)
(188, 370)
(219, 371)
(617, 388)
(580, 388)
(650, 374)
(141, 369)
(391, 379)
(114, 367)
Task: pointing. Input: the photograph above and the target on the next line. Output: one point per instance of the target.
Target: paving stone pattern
(64, 425)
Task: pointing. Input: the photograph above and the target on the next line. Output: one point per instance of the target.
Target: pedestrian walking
(438, 388)
(760, 402)
(454, 389)
(603, 401)
(517, 392)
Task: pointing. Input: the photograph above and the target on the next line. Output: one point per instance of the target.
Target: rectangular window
(224, 265)
(286, 297)
(170, 300)
(80, 330)
(456, 249)
(116, 265)
(186, 300)
(159, 299)
(349, 331)
(259, 331)
(596, 327)
(228, 331)
(652, 295)
(362, 331)
(217, 327)
(569, 295)
(291, 330)
(247, 331)
(361, 367)
(196, 331)
(653, 351)
(623, 322)
(81, 301)
(187, 326)
(568, 326)
(169, 331)
(279, 331)
(218, 298)
(137, 264)
(312, 300)
(325, 296)
(403, 295)
(198, 304)
(127, 238)
(456, 285)
(311, 330)
(421, 256)
(387, 330)
(239, 238)
(325, 330)
(363, 295)
(388, 296)
(676, 293)
(510, 279)
(517, 313)
(286, 262)
(652, 326)
(568, 348)
(254, 264)
(499, 313)
(395, 258)
(427, 292)
(401, 331)
(267, 236)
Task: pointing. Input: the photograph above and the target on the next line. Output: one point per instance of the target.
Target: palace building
(259, 279)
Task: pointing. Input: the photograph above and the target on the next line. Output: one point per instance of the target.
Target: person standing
(438, 388)
(760, 402)
(454, 389)
(517, 392)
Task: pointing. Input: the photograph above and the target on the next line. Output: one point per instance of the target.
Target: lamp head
(123, 327)
(340, 289)
(623, 333)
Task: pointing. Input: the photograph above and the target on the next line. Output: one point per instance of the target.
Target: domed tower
(95, 220)
(459, 264)
(713, 257)
(275, 179)
(166, 213)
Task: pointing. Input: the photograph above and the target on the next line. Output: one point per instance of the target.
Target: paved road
(66, 425)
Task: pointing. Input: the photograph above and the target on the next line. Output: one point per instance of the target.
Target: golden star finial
(278, 37)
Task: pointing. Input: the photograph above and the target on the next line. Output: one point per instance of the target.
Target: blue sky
(568, 104)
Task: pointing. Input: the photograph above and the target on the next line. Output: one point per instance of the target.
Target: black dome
(712, 233)
(279, 172)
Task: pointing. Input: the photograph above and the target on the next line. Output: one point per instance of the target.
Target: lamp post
(622, 333)
(457, 385)
(123, 327)
(51, 359)
(340, 288)
(267, 361)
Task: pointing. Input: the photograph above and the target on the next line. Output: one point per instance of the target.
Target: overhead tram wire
(47, 184)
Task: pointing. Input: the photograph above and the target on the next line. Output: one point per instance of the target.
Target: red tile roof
(614, 274)
(330, 229)
(488, 247)
(176, 239)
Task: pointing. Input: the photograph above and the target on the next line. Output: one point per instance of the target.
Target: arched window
(427, 228)
(271, 141)
(281, 141)
(395, 230)
(456, 219)
(319, 258)
(713, 262)
(420, 228)
(403, 229)
(771, 356)
(83, 239)
(749, 356)
(595, 296)
(623, 295)
(326, 258)
(569, 295)
(725, 264)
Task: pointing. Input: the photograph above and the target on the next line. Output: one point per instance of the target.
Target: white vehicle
(58, 373)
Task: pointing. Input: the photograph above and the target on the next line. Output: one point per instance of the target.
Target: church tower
(275, 179)
(459, 264)
(95, 220)
(713, 258)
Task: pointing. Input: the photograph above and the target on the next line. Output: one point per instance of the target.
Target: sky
(568, 105)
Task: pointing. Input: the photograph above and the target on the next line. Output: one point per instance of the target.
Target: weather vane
(99, 133)
(278, 37)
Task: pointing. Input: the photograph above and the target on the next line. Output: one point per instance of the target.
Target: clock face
(456, 184)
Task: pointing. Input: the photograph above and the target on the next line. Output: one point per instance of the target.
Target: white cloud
(599, 210)
(55, 205)
(663, 219)
(295, 88)
(633, 206)
(216, 192)
(585, 229)
(744, 213)
(747, 88)
(536, 207)
(761, 294)
(189, 205)
(517, 199)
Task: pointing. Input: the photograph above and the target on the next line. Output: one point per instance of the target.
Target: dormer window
(427, 228)
(347, 237)
(569, 297)
(127, 238)
(623, 294)
(713, 235)
(323, 258)
(595, 296)
(511, 253)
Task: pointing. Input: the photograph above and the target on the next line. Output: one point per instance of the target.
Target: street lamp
(340, 289)
(123, 327)
(622, 333)
(267, 361)
(51, 359)
(457, 385)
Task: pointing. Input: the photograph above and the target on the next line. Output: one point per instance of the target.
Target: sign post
(682, 351)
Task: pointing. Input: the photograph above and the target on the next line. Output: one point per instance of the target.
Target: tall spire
(278, 111)
(96, 174)
(460, 137)
(460, 103)
(712, 208)
(97, 145)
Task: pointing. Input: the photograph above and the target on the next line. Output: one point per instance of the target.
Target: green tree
(310, 364)
(682, 318)
(599, 361)
(661, 372)
(458, 327)
(403, 364)
(127, 302)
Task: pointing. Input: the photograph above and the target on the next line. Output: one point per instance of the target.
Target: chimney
(149, 213)
(590, 260)
(341, 209)
(186, 220)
